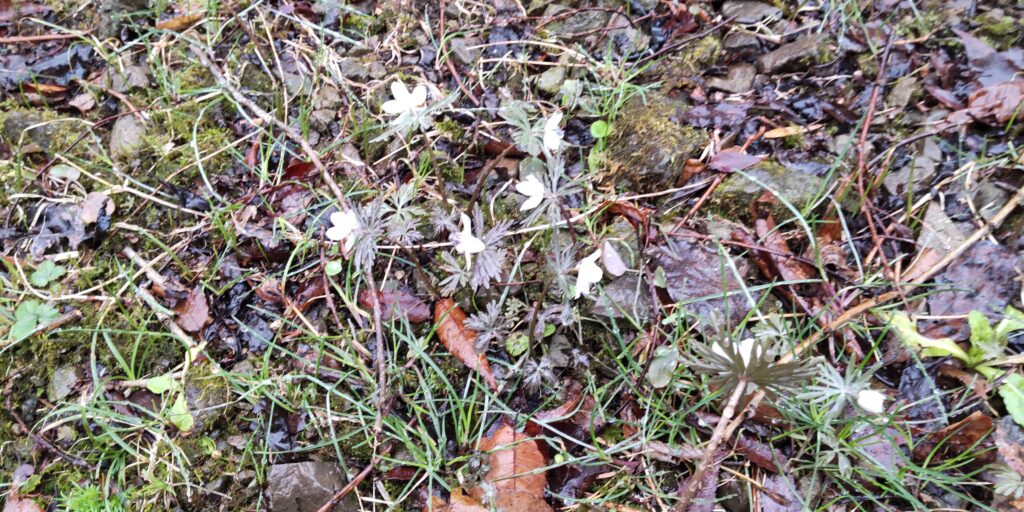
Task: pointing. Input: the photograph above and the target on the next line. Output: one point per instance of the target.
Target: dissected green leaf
(46, 273)
(179, 414)
(30, 315)
(929, 347)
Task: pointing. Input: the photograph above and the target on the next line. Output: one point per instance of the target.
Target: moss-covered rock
(734, 197)
(649, 145)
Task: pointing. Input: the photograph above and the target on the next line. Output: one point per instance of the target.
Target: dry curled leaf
(732, 160)
(21, 504)
(194, 313)
(179, 23)
(461, 340)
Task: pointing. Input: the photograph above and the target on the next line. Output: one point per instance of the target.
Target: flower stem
(693, 486)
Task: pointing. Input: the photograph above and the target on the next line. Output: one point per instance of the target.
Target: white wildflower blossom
(534, 191)
(406, 105)
(746, 349)
(553, 133)
(344, 228)
(588, 274)
(465, 242)
(871, 401)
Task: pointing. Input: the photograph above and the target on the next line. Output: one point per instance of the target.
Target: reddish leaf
(461, 340)
(13, 11)
(193, 314)
(638, 217)
(732, 160)
(397, 304)
(310, 292)
(298, 170)
(999, 103)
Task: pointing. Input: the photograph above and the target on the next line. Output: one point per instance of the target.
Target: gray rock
(741, 41)
(749, 12)
(920, 170)
(939, 232)
(126, 137)
(901, 93)
(625, 296)
(353, 69)
(732, 199)
(550, 81)
(133, 77)
(20, 130)
(583, 22)
(649, 144)
(207, 397)
(791, 54)
(378, 70)
(63, 382)
(327, 98)
(461, 49)
(305, 487)
(739, 80)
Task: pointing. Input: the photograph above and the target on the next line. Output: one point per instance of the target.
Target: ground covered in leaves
(461, 255)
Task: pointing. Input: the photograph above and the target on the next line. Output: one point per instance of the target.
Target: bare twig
(716, 440)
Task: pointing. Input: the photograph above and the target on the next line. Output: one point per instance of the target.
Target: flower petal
(419, 96)
(588, 274)
(531, 203)
(871, 401)
(393, 107)
(399, 91)
(531, 186)
(335, 234)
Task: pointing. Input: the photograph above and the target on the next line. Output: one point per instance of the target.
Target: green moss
(649, 144)
(450, 129)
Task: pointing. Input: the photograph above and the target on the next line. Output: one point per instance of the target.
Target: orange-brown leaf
(515, 461)
(461, 340)
(179, 23)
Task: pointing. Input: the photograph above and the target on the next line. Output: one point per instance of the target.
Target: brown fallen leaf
(95, 204)
(179, 23)
(732, 160)
(461, 340)
(789, 131)
(956, 439)
(45, 89)
(998, 104)
(397, 304)
(194, 313)
(516, 461)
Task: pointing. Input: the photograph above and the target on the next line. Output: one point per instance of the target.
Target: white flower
(344, 229)
(465, 242)
(871, 401)
(406, 104)
(533, 189)
(552, 133)
(588, 274)
(746, 350)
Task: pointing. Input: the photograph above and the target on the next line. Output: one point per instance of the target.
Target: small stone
(739, 80)
(649, 144)
(305, 487)
(462, 49)
(732, 199)
(378, 70)
(132, 77)
(353, 69)
(327, 98)
(582, 23)
(741, 41)
(749, 12)
(63, 382)
(791, 53)
(939, 232)
(920, 170)
(126, 137)
(901, 93)
(550, 81)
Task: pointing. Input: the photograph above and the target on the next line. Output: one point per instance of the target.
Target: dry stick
(314, 157)
(40, 39)
(340, 495)
(482, 178)
(812, 340)
(716, 440)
